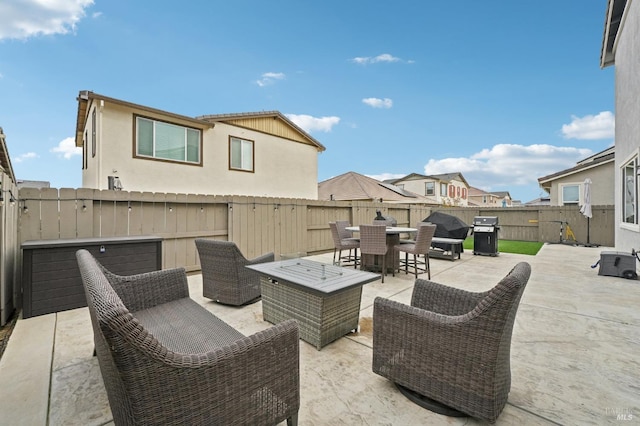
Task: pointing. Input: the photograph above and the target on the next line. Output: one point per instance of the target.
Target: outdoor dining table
(392, 261)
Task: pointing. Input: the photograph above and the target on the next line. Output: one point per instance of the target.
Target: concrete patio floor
(575, 356)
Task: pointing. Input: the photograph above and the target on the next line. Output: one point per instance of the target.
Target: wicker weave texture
(343, 240)
(420, 246)
(224, 276)
(451, 345)
(321, 319)
(174, 376)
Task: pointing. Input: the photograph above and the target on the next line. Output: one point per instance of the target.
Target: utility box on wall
(51, 279)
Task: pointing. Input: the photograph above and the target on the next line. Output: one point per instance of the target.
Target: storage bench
(50, 277)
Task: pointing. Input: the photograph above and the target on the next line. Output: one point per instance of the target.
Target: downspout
(99, 144)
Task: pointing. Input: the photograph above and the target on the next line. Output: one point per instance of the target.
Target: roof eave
(86, 96)
(614, 19)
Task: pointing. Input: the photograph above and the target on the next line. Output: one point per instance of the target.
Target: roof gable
(270, 122)
(448, 177)
(598, 160)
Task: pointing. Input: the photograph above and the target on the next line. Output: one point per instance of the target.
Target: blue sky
(502, 91)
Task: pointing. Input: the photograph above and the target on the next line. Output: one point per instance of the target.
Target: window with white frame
(443, 189)
(240, 154)
(167, 141)
(630, 192)
(429, 188)
(569, 194)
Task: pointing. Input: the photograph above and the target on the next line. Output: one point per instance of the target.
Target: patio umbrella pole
(586, 211)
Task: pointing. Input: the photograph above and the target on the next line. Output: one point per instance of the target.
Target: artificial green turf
(508, 246)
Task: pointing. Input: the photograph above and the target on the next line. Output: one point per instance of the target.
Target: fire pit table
(324, 299)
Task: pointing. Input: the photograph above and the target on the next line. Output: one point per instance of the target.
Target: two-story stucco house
(449, 189)
(139, 148)
(478, 197)
(566, 187)
(620, 47)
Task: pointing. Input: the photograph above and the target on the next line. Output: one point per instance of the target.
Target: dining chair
(373, 241)
(420, 246)
(343, 240)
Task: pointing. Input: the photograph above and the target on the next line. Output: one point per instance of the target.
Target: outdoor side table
(323, 298)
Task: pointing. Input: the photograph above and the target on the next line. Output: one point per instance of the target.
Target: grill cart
(485, 235)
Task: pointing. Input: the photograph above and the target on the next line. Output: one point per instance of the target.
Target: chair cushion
(184, 326)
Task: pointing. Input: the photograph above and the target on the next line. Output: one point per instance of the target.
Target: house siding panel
(627, 93)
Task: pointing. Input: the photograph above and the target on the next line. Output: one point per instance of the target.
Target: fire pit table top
(315, 276)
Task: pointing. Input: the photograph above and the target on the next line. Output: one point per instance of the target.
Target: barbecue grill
(447, 226)
(389, 219)
(485, 235)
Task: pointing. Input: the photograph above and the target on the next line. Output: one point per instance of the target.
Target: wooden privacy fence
(260, 224)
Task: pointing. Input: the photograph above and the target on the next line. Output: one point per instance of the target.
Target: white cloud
(378, 103)
(22, 157)
(590, 127)
(21, 19)
(310, 124)
(269, 78)
(508, 165)
(385, 57)
(384, 176)
(67, 148)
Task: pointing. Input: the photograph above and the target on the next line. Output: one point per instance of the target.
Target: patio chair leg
(415, 264)
(293, 420)
(406, 262)
(334, 255)
(426, 261)
(355, 258)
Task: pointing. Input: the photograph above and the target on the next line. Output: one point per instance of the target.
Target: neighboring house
(480, 198)
(353, 186)
(5, 161)
(449, 189)
(542, 201)
(620, 48)
(33, 184)
(566, 187)
(139, 148)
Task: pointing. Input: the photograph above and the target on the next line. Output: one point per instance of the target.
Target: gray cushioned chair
(450, 350)
(373, 241)
(344, 240)
(224, 276)
(166, 360)
(420, 246)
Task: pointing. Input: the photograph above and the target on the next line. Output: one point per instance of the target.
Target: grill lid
(485, 221)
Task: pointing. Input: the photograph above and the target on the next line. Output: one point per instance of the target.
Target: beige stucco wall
(602, 185)
(283, 168)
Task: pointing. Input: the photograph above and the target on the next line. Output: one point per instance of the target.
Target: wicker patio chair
(450, 350)
(224, 276)
(419, 247)
(343, 240)
(373, 241)
(166, 360)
